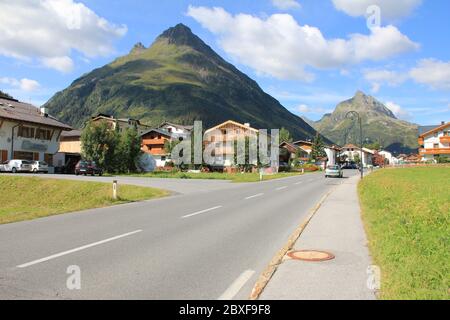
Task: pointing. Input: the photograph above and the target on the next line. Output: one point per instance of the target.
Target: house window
(43, 134)
(436, 146)
(25, 132)
(163, 158)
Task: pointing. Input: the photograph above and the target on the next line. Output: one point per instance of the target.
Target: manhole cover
(311, 255)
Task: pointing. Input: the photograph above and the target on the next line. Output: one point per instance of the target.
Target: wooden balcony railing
(435, 151)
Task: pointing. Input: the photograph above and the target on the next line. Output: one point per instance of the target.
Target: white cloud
(48, 30)
(286, 4)
(24, 84)
(62, 64)
(398, 111)
(379, 77)
(278, 46)
(433, 73)
(390, 9)
(303, 108)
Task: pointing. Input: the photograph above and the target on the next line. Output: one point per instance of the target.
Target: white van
(15, 166)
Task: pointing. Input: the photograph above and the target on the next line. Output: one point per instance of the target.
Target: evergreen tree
(318, 148)
(128, 151)
(285, 135)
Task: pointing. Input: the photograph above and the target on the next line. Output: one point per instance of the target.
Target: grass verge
(238, 177)
(26, 198)
(407, 218)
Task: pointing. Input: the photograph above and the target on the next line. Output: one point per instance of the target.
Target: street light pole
(351, 114)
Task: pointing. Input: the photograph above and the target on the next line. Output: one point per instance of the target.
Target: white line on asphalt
(281, 188)
(255, 196)
(200, 212)
(28, 264)
(298, 183)
(237, 285)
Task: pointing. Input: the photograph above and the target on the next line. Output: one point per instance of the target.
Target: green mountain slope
(180, 79)
(379, 125)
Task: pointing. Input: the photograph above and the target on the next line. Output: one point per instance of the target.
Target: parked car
(87, 168)
(15, 166)
(352, 166)
(39, 166)
(334, 171)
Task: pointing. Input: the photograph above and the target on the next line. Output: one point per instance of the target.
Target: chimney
(44, 112)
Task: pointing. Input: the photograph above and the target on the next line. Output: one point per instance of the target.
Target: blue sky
(309, 54)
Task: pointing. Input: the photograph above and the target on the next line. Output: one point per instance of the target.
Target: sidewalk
(336, 228)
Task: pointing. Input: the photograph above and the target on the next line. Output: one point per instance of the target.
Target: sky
(308, 54)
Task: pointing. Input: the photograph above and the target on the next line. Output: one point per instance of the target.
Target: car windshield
(27, 162)
(333, 167)
(43, 163)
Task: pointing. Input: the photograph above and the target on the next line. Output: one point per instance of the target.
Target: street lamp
(351, 114)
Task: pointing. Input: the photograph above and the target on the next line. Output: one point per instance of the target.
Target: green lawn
(238, 177)
(407, 218)
(25, 198)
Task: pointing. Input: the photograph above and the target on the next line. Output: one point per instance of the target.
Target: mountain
(379, 125)
(312, 123)
(179, 79)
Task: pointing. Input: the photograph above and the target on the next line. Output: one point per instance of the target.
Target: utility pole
(351, 114)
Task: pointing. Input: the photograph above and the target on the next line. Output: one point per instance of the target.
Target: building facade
(27, 132)
(223, 137)
(69, 152)
(352, 152)
(434, 142)
(153, 144)
(123, 124)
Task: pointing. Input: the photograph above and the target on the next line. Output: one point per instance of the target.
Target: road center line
(255, 196)
(281, 188)
(28, 264)
(237, 285)
(298, 183)
(200, 212)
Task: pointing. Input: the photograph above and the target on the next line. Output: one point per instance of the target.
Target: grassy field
(407, 218)
(238, 177)
(25, 198)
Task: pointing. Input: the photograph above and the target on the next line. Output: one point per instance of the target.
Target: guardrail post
(115, 189)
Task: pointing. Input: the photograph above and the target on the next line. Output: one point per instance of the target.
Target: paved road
(200, 245)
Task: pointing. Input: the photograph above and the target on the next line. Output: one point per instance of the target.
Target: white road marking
(237, 285)
(298, 183)
(200, 212)
(28, 264)
(281, 188)
(255, 196)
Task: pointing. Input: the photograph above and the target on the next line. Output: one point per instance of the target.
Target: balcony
(445, 139)
(436, 151)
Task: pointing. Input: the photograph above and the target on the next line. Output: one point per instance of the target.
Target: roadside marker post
(115, 189)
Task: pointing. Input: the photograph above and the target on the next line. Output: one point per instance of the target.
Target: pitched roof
(234, 123)
(24, 112)
(350, 146)
(160, 131)
(179, 126)
(71, 134)
(426, 130)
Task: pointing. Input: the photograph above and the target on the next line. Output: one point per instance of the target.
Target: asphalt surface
(197, 244)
